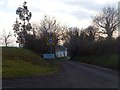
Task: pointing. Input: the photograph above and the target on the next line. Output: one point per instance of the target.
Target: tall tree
(21, 28)
(73, 41)
(107, 20)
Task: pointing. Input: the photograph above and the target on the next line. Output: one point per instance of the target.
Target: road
(73, 75)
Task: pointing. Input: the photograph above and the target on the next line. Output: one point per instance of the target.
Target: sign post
(50, 58)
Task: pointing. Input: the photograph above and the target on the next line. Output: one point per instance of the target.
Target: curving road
(73, 75)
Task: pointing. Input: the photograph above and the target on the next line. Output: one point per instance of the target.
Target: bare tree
(50, 28)
(45, 36)
(6, 39)
(107, 20)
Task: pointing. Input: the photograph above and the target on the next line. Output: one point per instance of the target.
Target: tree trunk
(6, 44)
(109, 35)
(5, 41)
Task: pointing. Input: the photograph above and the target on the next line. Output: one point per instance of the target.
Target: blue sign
(48, 56)
(50, 41)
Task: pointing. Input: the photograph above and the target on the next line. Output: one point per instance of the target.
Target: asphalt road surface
(73, 75)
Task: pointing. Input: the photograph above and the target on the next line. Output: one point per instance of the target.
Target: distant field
(109, 61)
(17, 62)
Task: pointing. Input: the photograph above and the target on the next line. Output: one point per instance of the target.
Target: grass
(18, 62)
(21, 68)
(109, 61)
(21, 54)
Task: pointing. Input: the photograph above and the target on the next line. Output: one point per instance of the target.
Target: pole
(51, 49)
(51, 61)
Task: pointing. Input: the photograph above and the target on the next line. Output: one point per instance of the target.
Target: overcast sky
(70, 12)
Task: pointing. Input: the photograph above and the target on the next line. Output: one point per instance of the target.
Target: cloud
(72, 21)
(71, 12)
(53, 6)
(105, 1)
(7, 20)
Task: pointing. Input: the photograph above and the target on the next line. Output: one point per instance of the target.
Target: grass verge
(22, 63)
(109, 61)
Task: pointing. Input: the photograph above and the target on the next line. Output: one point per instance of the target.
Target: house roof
(60, 48)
